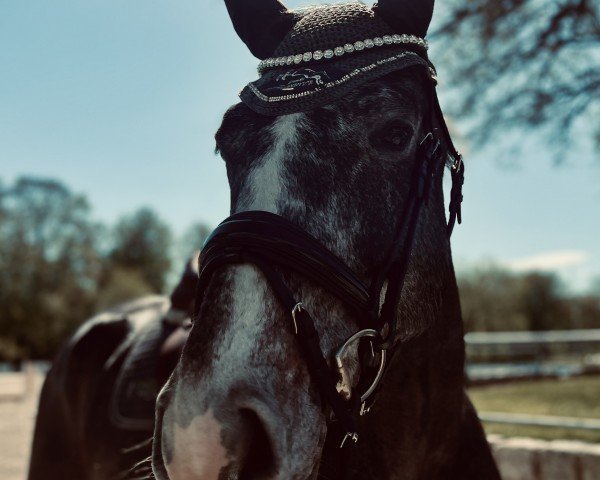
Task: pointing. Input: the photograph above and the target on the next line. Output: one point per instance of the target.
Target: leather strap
(282, 243)
(428, 163)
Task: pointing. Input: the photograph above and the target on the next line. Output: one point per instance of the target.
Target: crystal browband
(335, 83)
(339, 51)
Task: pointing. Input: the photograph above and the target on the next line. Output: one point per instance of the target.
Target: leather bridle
(274, 245)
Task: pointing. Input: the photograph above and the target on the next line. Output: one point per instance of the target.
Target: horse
(327, 339)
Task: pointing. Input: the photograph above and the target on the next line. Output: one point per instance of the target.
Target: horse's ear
(261, 24)
(406, 16)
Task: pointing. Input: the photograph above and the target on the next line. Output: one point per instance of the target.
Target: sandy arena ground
(17, 417)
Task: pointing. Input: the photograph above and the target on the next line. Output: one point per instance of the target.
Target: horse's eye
(394, 136)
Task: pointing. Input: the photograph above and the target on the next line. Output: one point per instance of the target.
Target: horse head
(331, 139)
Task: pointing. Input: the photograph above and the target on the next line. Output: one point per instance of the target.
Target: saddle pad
(137, 384)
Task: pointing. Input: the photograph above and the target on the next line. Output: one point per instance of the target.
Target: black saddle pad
(137, 384)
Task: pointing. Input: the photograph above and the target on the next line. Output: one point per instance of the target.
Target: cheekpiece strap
(457, 171)
(428, 162)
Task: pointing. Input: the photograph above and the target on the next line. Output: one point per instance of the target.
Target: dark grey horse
(241, 403)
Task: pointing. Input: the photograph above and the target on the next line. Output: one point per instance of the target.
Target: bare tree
(515, 64)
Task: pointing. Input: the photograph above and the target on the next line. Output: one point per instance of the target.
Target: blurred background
(109, 181)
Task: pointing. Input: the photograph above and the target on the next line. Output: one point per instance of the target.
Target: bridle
(274, 245)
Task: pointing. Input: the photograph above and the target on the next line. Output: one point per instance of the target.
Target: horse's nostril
(259, 462)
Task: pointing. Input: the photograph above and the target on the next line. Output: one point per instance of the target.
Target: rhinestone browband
(335, 83)
(339, 51)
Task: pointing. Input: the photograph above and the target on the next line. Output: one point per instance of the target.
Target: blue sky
(121, 99)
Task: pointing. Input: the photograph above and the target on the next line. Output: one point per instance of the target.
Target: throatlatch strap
(425, 174)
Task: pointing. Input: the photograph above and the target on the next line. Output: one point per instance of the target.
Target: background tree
(120, 285)
(541, 302)
(49, 265)
(489, 300)
(495, 299)
(584, 311)
(522, 63)
(58, 267)
(186, 245)
(193, 238)
(142, 247)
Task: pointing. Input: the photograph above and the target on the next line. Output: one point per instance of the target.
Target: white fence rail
(540, 420)
(511, 355)
(533, 338)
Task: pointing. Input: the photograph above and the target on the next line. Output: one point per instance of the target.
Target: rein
(273, 243)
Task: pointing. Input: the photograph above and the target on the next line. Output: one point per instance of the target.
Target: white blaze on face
(197, 450)
(248, 312)
(263, 187)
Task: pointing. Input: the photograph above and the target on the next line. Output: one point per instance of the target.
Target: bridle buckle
(457, 164)
(427, 137)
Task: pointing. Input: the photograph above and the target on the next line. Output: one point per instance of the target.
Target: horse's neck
(415, 422)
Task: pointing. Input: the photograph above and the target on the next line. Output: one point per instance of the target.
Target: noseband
(275, 245)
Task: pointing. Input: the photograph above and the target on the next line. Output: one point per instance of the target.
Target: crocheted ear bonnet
(314, 56)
